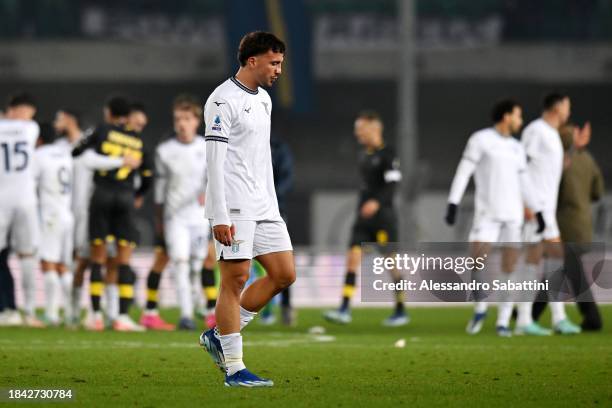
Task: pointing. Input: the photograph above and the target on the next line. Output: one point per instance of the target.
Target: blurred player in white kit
(180, 184)
(499, 166)
(544, 150)
(18, 208)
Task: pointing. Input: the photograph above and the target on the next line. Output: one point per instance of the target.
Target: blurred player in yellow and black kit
(112, 207)
(376, 218)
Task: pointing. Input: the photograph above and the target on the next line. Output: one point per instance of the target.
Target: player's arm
(146, 178)
(217, 117)
(159, 191)
(97, 161)
(391, 177)
(597, 184)
(530, 139)
(89, 140)
(465, 169)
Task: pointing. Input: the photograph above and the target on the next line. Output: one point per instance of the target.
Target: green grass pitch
(349, 366)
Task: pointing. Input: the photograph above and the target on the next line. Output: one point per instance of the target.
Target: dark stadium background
(320, 134)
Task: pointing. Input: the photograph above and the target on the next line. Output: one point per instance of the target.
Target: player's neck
(376, 144)
(502, 129)
(246, 79)
(551, 119)
(74, 134)
(185, 139)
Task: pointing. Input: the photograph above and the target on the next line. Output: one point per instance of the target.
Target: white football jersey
(240, 179)
(54, 177)
(180, 178)
(499, 161)
(544, 150)
(17, 145)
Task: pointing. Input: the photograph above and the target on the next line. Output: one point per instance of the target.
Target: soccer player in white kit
(545, 154)
(18, 209)
(241, 202)
(499, 165)
(53, 164)
(180, 183)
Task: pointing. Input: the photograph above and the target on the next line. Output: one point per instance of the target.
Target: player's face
(563, 109)
(366, 131)
(138, 121)
(268, 67)
(186, 124)
(107, 115)
(60, 122)
(21, 112)
(516, 119)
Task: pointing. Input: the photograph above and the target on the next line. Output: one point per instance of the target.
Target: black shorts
(111, 212)
(381, 228)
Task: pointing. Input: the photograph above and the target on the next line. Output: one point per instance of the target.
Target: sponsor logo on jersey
(217, 124)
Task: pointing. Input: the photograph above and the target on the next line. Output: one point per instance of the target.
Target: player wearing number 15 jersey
(18, 214)
(112, 206)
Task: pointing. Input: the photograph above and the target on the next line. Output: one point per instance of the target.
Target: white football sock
(557, 310)
(183, 288)
(52, 289)
(196, 284)
(77, 293)
(28, 278)
(480, 307)
(66, 284)
(504, 313)
(552, 271)
(528, 272)
(111, 291)
(232, 351)
(246, 317)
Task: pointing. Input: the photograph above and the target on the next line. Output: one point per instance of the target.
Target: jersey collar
(243, 87)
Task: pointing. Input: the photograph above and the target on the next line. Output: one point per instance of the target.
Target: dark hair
(552, 99)
(137, 107)
(118, 106)
(369, 115)
(76, 115)
(189, 103)
(257, 43)
(47, 133)
(21, 98)
(503, 107)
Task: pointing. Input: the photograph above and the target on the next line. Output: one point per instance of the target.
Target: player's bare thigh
(279, 266)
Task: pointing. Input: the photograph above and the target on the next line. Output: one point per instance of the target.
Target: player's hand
(451, 214)
(224, 234)
(541, 224)
(529, 215)
(202, 199)
(138, 202)
(582, 137)
(131, 161)
(369, 208)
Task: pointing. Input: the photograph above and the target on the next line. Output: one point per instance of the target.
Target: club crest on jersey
(265, 104)
(236, 246)
(217, 124)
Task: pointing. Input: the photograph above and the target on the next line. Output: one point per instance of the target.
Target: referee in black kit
(377, 218)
